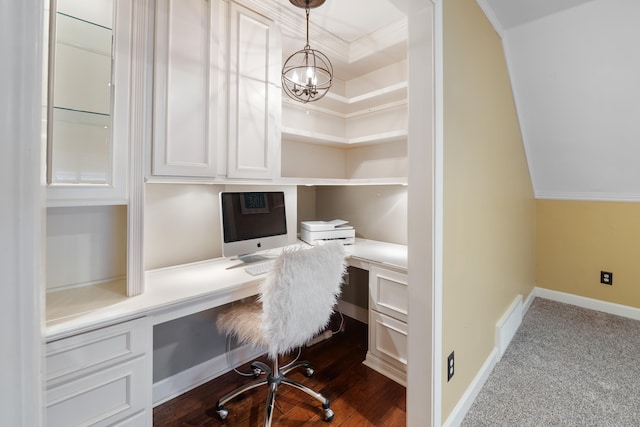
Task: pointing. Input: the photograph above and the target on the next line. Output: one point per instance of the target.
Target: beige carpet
(566, 366)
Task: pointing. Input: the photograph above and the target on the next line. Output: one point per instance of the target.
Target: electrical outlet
(450, 367)
(606, 278)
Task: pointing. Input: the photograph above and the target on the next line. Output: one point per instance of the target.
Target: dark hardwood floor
(359, 396)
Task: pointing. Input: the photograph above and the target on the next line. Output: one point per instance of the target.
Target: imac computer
(252, 222)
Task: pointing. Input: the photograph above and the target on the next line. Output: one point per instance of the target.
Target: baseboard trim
(175, 385)
(506, 328)
(462, 407)
(590, 303)
(508, 325)
(355, 312)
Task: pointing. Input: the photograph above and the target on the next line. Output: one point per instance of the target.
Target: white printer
(316, 232)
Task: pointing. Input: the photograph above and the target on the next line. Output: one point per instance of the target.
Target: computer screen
(252, 221)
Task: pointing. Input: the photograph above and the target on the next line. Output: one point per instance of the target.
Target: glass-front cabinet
(87, 110)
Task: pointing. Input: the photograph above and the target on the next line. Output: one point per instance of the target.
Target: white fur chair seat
(295, 303)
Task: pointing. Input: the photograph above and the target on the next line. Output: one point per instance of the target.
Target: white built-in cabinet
(388, 309)
(255, 93)
(217, 94)
(187, 88)
(100, 377)
(88, 102)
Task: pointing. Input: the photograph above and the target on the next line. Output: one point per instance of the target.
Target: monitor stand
(251, 258)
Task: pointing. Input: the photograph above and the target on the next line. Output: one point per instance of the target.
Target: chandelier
(307, 74)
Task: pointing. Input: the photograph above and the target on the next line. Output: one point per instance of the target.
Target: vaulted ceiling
(575, 73)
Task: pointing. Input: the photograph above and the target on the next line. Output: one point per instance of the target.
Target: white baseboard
(590, 303)
(168, 388)
(506, 328)
(465, 402)
(353, 311)
(508, 325)
(528, 302)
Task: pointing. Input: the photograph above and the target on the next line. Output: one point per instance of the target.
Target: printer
(317, 232)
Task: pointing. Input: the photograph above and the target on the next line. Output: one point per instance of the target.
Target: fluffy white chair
(296, 301)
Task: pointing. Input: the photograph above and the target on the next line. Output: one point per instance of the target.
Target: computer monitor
(251, 222)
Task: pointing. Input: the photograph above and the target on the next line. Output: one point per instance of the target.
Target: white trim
(353, 311)
(514, 314)
(508, 325)
(588, 196)
(528, 302)
(424, 387)
(438, 213)
(139, 138)
(462, 407)
(590, 303)
(506, 328)
(22, 228)
(180, 383)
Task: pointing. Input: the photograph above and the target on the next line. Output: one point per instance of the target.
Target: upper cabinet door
(255, 95)
(186, 88)
(88, 110)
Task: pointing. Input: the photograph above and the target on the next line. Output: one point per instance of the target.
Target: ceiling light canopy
(307, 74)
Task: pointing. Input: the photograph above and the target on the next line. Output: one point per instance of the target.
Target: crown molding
(379, 40)
(293, 25)
(587, 196)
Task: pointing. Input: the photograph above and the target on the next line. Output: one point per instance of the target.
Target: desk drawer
(388, 292)
(102, 398)
(388, 339)
(95, 349)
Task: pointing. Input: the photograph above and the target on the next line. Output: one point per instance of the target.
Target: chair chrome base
(274, 381)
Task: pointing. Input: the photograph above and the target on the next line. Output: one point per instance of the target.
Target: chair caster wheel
(222, 412)
(309, 372)
(327, 415)
(257, 372)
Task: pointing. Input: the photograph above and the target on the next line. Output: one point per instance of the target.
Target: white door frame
(21, 213)
(424, 218)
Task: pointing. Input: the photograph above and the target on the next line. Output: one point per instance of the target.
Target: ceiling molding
(293, 25)
(587, 196)
(380, 40)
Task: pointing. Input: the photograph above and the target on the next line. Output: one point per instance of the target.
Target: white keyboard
(258, 268)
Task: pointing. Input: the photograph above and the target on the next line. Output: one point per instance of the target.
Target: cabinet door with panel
(88, 102)
(255, 95)
(388, 304)
(187, 88)
(101, 377)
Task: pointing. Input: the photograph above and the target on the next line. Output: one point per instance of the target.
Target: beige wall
(578, 239)
(489, 209)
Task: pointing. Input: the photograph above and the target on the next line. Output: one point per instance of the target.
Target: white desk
(177, 291)
(96, 336)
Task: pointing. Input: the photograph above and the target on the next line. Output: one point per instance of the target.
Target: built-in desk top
(178, 291)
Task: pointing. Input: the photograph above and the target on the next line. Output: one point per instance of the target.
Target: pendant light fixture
(307, 74)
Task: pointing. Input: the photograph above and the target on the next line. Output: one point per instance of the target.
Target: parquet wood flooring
(359, 396)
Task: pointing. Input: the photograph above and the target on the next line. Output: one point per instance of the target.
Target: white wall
(21, 214)
(376, 212)
(575, 79)
(182, 221)
(85, 245)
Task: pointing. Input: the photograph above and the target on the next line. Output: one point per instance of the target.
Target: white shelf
(341, 182)
(343, 106)
(300, 135)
